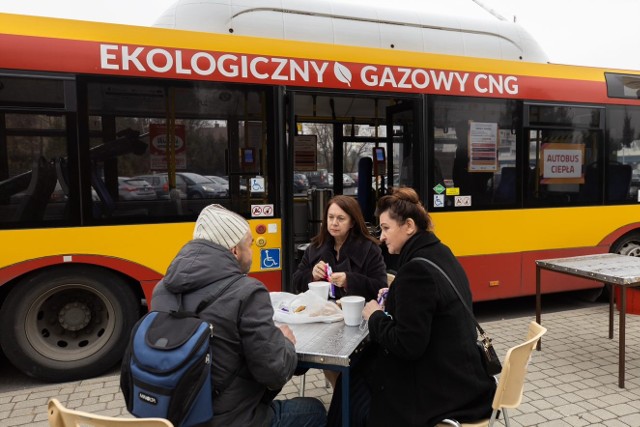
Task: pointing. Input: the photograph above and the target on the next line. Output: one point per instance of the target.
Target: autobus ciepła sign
(269, 69)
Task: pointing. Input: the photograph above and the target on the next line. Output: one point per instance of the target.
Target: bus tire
(627, 245)
(68, 323)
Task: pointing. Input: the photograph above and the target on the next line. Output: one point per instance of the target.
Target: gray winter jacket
(251, 357)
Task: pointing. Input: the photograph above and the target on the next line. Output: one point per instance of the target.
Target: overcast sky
(578, 32)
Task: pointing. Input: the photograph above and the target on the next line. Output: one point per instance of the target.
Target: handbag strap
(464, 304)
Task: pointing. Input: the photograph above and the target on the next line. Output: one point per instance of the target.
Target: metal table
(611, 269)
(331, 346)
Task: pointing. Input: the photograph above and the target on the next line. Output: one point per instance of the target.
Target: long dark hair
(351, 207)
(403, 203)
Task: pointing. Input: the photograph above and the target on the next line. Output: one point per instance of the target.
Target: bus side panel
(615, 235)
(147, 277)
(493, 276)
(271, 279)
(512, 275)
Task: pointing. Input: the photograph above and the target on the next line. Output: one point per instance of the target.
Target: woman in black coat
(345, 245)
(425, 365)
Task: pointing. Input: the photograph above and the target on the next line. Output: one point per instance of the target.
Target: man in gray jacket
(252, 358)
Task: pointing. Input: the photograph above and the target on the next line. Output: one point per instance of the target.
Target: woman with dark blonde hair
(424, 365)
(343, 253)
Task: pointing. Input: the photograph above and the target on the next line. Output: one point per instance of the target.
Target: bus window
(564, 161)
(474, 153)
(623, 155)
(33, 185)
(564, 167)
(159, 167)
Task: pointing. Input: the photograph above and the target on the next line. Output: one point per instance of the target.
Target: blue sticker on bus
(269, 258)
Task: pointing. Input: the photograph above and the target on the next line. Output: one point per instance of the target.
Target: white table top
(327, 343)
(610, 268)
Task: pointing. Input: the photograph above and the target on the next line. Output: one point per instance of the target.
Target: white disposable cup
(352, 309)
(320, 288)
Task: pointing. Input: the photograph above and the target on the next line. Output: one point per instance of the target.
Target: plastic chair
(60, 416)
(511, 381)
(390, 278)
(38, 194)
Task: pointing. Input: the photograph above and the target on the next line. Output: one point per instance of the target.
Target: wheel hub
(74, 316)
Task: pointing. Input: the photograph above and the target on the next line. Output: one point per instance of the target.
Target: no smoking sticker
(462, 201)
(261, 211)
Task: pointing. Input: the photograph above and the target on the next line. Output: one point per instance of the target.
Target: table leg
(303, 380)
(346, 409)
(621, 332)
(538, 304)
(610, 289)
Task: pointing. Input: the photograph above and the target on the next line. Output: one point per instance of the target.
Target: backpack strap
(204, 304)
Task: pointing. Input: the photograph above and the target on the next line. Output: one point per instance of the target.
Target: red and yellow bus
(113, 138)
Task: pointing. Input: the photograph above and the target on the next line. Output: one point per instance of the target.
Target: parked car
(319, 179)
(198, 186)
(135, 189)
(160, 183)
(300, 183)
(347, 181)
(224, 182)
(354, 177)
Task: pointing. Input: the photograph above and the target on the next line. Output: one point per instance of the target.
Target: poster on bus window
(158, 148)
(562, 163)
(483, 147)
(305, 153)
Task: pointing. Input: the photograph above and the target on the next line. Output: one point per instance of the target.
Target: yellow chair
(60, 416)
(511, 380)
(390, 278)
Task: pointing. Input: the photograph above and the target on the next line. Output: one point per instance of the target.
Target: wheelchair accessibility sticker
(257, 184)
(269, 258)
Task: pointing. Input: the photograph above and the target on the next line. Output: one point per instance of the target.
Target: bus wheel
(628, 245)
(68, 323)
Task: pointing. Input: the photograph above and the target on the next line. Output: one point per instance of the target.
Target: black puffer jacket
(427, 366)
(248, 349)
(360, 258)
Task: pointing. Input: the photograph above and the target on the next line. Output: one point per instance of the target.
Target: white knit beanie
(220, 225)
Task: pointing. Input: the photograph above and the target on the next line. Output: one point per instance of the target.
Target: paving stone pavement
(573, 381)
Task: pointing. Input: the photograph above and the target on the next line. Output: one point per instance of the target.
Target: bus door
(333, 141)
(378, 156)
(402, 142)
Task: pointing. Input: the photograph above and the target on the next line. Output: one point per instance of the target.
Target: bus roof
(343, 23)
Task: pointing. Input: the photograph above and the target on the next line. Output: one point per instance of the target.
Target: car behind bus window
(140, 178)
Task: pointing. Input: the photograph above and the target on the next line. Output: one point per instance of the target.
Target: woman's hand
(371, 307)
(339, 279)
(382, 297)
(319, 271)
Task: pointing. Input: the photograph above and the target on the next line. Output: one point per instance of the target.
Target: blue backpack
(166, 369)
